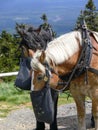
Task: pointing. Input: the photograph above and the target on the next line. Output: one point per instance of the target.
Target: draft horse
(33, 39)
(62, 55)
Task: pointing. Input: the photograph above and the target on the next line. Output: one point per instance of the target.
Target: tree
(44, 18)
(90, 15)
(46, 25)
(9, 56)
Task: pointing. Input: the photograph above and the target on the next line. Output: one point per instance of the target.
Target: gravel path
(24, 119)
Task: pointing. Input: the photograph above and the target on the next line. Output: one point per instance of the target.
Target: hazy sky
(29, 11)
(19, 6)
(13, 4)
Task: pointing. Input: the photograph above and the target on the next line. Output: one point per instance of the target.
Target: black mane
(34, 38)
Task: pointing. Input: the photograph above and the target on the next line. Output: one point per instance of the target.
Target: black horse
(38, 38)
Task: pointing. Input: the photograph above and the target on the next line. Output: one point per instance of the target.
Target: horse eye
(40, 77)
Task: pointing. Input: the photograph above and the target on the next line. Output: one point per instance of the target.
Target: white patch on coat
(32, 85)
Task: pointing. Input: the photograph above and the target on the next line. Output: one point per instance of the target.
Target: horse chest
(79, 86)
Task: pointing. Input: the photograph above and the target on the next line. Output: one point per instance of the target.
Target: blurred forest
(9, 54)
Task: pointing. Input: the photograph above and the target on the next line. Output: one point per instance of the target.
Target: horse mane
(63, 47)
(34, 38)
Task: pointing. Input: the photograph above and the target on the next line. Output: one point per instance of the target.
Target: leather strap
(95, 71)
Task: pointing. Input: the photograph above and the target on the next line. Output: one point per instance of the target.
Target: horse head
(44, 70)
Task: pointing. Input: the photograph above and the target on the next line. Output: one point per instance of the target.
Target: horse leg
(81, 112)
(40, 125)
(80, 104)
(53, 126)
(92, 122)
(95, 111)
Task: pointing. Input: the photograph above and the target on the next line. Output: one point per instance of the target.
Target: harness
(84, 60)
(83, 64)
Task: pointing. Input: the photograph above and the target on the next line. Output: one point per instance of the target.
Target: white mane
(63, 47)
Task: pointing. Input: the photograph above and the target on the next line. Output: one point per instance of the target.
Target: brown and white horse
(62, 55)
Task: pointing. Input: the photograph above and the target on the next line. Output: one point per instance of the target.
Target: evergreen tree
(9, 56)
(46, 25)
(90, 15)
(44, 18)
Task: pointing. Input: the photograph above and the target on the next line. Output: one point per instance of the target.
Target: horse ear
(42, 57)
(25, 52)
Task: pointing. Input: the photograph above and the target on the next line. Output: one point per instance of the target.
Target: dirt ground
(24, 119)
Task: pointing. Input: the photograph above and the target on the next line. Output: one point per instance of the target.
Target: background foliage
(90, 14)
(9, 54)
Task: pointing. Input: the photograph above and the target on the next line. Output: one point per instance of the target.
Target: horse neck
(94, 43)
(67, 66)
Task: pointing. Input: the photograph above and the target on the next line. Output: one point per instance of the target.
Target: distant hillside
(62, 14)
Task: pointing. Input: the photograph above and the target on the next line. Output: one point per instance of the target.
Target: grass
(11, 98)
(65, 98)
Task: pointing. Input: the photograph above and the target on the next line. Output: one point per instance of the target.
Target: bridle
(48, 75)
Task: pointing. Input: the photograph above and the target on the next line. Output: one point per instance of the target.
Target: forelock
(36, 65)
(37, 54)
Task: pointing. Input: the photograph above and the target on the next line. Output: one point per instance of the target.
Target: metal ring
(86, 40)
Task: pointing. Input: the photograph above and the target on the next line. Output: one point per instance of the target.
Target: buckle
(45, 78)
